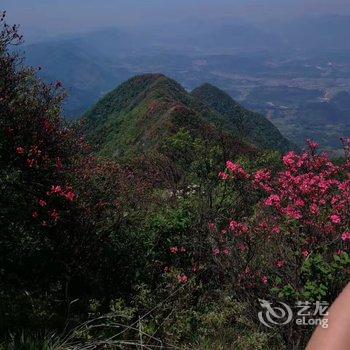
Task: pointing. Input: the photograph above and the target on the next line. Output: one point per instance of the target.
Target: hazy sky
(54, 16)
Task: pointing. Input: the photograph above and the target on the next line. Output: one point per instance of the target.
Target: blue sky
(74, 15)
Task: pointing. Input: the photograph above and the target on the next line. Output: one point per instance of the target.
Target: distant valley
(275, 71)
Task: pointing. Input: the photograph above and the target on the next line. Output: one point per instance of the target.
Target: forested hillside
(251, 126)
(162, 219)
(142, 112)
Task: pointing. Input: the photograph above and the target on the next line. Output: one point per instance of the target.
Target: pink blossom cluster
(67, 192)
(177, 250)
(236, 170)
(310, 190)
(238, 228)
(307, 203)
(183, 279)
(53, 214)
(225, 251)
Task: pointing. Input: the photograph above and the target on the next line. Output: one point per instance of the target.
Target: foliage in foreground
(158, 250)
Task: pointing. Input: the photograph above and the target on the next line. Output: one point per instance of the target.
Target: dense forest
(159, 219)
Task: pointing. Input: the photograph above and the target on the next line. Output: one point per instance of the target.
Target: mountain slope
(144, 111)
(253, 127)
(86, 75)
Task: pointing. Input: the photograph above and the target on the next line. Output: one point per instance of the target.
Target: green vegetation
(141, 113)
(252, 127)
(164, 229)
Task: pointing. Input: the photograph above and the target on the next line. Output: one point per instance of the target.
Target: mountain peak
(150, 77)
(251, 126)
(208, 86)
(208, 90)
(146, 109)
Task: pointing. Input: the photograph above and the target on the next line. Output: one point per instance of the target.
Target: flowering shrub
(295, 245)
(74, 226)
(61, 210)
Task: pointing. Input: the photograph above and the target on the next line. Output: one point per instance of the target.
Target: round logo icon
(278, 315)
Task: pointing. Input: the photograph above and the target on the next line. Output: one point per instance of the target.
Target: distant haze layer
(57, 16)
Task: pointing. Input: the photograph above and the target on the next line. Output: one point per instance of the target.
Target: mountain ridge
(253, 127)
(142, 111)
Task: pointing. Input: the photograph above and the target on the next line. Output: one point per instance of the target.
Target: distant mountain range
(147, 109)
(86, 75)
(306, 33)
(296, 73)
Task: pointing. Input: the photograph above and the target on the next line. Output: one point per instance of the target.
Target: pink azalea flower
(280, 263)
(70, 195)
(227, 251)
(231, 166)
(322, 202)
(223, 176)
(336, 219)
(293, 213)
(276, 230)
(236, 169)
(216, 251)
(272, 200)
(42, 203)
(174, 250)
(242, 247)
(299, 202)
(265, 280)
(31, 163)
(212, 226)
(314, 209)
(305, 253)
(262, 175)
(233, 225)
(56, 189)
(346, 236)
(20, 150)
(55, 216)
(182, 279)
(312, 144)
(289, 159)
